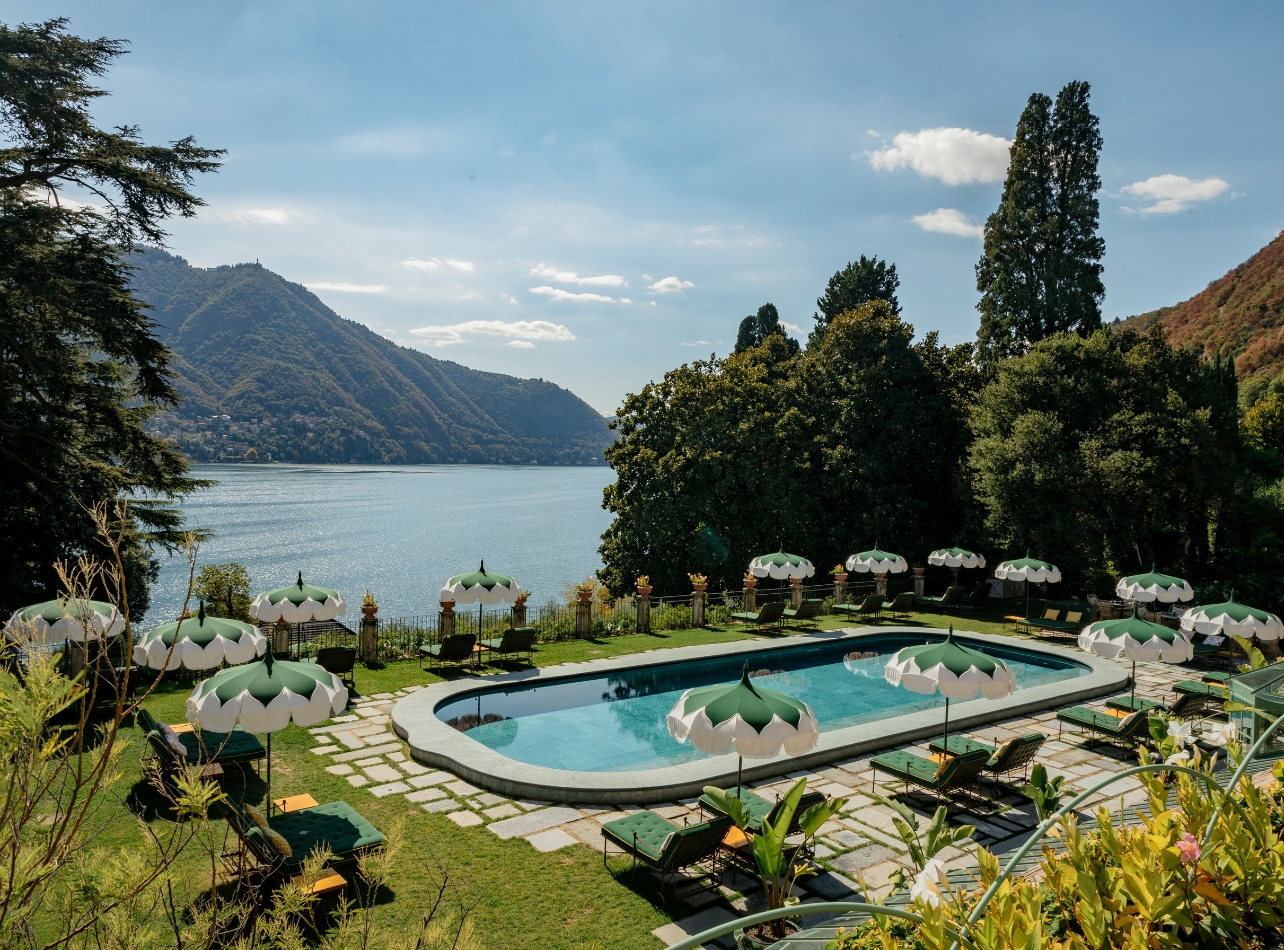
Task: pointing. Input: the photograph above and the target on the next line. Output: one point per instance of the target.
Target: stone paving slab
(445, 804)
(671, 933)
(425, 795)
(533, 821)
(465, 819)
(551, 840)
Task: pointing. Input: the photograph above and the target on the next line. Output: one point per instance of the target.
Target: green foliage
(719, 450)
(755, 328)
(225, 589)
(1108, 453)
(1044, 791)
(856, 284)
(357, 396)
(1263, 424)
(1040, 273)
(923, 843)
(81, 370)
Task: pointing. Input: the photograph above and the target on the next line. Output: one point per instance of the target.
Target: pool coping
(434, 743)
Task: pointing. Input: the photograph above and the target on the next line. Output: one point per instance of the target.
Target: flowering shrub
(698, 579)
(1152, 886)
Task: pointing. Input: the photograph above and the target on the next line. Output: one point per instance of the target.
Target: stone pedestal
(880, 584)
(368, 640)
(281, 637)
(584, 618)
(919, 581)
(644, 612)
(445, 623)
(795, 592)
(697, 608)
(751, 597)
(519, 615)
(840, 589)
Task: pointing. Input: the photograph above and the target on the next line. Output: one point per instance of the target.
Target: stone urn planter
(448, 607)
(840, 578)
(369, 611)
(751, 582)
(584, 595)
(645, 591)
(701, 587)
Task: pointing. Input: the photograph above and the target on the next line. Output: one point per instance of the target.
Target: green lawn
(525, 898)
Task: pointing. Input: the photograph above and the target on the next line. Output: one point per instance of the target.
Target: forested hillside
(297, 382)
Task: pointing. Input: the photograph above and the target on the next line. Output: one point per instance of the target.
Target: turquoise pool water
(617, 722)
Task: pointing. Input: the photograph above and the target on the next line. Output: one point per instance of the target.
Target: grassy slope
(527, 899)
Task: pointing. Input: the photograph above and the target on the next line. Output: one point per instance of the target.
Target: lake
(400, 531)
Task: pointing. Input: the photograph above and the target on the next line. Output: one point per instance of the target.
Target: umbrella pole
(269, 775)
(740, 764)
(947, 727)
(1132, 702)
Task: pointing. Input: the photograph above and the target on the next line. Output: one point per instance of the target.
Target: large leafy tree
(1040, 273)
(1107, 454)
(858, 283)
(757, 327)
(857, 440)
(80, 367)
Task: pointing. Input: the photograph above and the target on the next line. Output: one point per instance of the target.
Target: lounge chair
(765, 617)
(953, 597)
(336, 824)
(1215, 676)
(340, 661)
(807, 612)
(1185, 706)
(456, 649)
(870, 607)
(1210, 648)
(1013, 755)
(1069, 622)
(514, 642)
(199, 748)
(901, 605)
(663, 846)
(979, 597)
(950, 774)
(1125, 731)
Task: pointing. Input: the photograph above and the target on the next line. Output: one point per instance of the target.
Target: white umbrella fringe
(1249, 627)
(154, 653)
(254, 716)
(262, 609)
(941, 678)
(477, 594)
(1180, 650)
(739, 736)
(39, 630)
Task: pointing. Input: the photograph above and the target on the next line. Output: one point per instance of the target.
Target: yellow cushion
(256, 816)
(278, 842)
(1074, 617)
(1050, 614)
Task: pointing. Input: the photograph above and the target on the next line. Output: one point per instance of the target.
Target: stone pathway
(857, 852)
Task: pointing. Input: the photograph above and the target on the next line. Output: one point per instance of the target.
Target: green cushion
(845, 608)
(757, 806)
(745, 615)
(221, 746)
(334, 823)
(905, 764)
(652, 831)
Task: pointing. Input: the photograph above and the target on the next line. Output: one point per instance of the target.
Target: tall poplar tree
(1040, 273)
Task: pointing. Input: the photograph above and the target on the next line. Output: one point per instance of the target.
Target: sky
(595, 193)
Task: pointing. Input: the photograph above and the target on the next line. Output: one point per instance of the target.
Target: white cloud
(669, 285)
(519, 330)
(948, 221)
(653, 303)
(955, 156)
(570, 277)
(558, 294)
(437, 263)
(260, 216)
(793, 328)
(522, 344)
(1170, 193)
(625, 300)
(697, 343)
(347, 288)
(511, 299)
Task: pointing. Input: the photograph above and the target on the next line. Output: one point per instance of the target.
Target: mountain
(269, 372)
(1240, 315)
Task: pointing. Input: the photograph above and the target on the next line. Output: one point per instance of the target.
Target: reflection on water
(869, 665)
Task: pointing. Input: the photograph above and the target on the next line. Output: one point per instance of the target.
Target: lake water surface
(398, 530)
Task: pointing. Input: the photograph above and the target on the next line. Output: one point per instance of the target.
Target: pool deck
(435, 744)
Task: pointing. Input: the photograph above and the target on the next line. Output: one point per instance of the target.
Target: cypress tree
(1040, 273)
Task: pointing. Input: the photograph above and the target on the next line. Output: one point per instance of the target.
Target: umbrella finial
(1231, 599)
(483, 565)
(300, 580)
(200, 614)
(268, 658)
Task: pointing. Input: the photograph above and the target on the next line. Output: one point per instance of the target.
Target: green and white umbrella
(481, 587)
(877, 562)
(1145, 588)
(199, 643)
(298, 603)
(1028, 569)
(1232, 619)
(57, 620)
(781, 565)
(264, 697)
(955, 558)
(1135, 639)
(751, 721)
(953, 670)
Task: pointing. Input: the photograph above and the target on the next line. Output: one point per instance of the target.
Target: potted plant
(779, 865)
(584, 590)
(840, 574)
(750, 581)
(369, 606)
(521, 598)
(699, 581)
(448, 607)
(644, 585)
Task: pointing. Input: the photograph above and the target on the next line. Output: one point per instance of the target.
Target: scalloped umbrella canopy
(1028, 569)
(955, 557)
(1233, 619)
(879, 562)
(298, 603)
(55, 621)
(265, 696)
(781, 565)
(1135, 639)
(1154, 586)
(752, 721)
(201, 642)
(950, 668)
(481, 587)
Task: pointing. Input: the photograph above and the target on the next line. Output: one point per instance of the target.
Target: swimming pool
(595, 732)
(616, 721)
